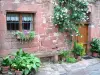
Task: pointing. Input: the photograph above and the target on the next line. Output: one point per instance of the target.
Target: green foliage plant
(7, 61)
(78, 49)
(65, 53)
(95, 45)
(71, 60)
(70, 14)
(25, 35)
(25, 62)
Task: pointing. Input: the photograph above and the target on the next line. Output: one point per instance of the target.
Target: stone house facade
(47, 40)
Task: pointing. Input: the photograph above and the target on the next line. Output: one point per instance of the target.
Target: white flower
(71, 35)
(81, 36)
(76, 34)
(66, 28)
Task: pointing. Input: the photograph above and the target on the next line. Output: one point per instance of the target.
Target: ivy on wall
(69, 15)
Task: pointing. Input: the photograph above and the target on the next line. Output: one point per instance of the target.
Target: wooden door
(84, 38)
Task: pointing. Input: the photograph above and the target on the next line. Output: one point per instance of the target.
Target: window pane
(12, 26)
(12, 17)
(26, 25)
(27, 22)
(12, 22)
(27, 17)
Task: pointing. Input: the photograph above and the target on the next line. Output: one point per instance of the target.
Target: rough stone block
(55, 58)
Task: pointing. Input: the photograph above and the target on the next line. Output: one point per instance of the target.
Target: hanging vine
(69, 15)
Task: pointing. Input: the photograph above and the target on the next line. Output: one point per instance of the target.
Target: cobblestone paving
(84, 67)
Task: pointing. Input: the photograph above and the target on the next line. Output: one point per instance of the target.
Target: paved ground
(84, 67)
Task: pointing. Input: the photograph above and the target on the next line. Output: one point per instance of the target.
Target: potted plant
(6, 64)
(25, 35)
(78, 50)
(24, 63)
(95, 47)
(18, 72)
(16, 66)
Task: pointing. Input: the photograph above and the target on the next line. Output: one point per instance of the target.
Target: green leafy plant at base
(95, 45)
(7, 61)
(25, 62)
(78, 49)
(71, 60)
(70, 14)
(65, 53)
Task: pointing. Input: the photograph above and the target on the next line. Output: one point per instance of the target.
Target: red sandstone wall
(94, 27)
(47, 36)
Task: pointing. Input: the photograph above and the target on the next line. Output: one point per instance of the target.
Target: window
(19, 21)
(12, 22)
(27, 22)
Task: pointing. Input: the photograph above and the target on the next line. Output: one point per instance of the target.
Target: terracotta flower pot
(95, 54)
(56, 26)
(12, 69)
(5, 69)
(78, 57)
(17, 72)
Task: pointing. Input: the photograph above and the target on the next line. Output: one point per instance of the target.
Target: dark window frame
(20, 27)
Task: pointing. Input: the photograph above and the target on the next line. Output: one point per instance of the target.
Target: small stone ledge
(47, 53)
(53, 55)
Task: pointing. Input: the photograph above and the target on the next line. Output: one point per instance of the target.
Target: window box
(25, 35)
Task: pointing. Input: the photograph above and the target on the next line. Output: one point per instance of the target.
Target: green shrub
(71, 60)
(6, 61)
(69, 15)
(25, 62)
(65, 53)
(67, 56)
(78, 49)
(95, 45)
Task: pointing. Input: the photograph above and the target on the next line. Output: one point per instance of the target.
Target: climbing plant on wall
(70, 14)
